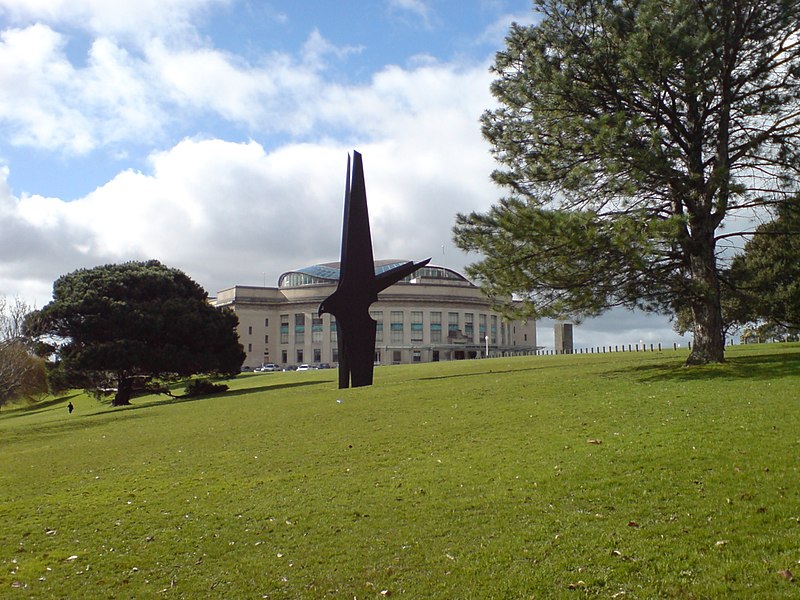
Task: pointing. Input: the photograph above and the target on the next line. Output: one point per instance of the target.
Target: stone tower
(563, 338)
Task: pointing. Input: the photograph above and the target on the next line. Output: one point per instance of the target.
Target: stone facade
(425, 318)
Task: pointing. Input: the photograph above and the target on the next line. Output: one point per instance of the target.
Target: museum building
(435, 314)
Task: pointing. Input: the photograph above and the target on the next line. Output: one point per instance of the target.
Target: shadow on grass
(269, 388)
(760, 367)
(35, 407)
(496, 372)
(205, 397)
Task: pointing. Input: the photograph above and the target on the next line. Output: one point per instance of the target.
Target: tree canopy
(631, 134)
(22, 374)
(136, 320)
(764, 279)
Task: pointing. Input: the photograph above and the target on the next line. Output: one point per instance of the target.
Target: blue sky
(213, 134)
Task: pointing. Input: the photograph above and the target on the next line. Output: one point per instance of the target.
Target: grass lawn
(609, 476)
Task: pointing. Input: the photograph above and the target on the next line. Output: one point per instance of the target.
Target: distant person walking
(70, 408)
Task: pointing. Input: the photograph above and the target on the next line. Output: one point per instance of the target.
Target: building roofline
(328, 273)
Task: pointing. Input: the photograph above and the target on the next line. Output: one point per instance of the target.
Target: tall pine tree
(629, 133)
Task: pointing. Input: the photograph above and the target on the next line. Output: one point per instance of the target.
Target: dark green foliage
(628, 134)
(567, 263)
(766, 276)
(134, 321)
(204, 387)
(761, 289)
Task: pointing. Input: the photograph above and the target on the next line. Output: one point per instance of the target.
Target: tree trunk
(124, 391)
(709, 342)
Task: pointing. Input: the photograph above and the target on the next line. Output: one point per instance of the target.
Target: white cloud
(226, 212)
(261, 96)
(418, 8)
(34, 78)
(316, 49)
(121, 19)
(48, 103)
(118, 97)
(230, 213)
(496, 32)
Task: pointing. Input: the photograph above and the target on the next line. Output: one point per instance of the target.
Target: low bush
(203, 387)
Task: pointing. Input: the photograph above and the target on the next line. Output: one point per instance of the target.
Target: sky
(213, 135)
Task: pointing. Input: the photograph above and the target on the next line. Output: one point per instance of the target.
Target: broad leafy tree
(131, 322)
(631, 135)
(765, 278)
(760, 291)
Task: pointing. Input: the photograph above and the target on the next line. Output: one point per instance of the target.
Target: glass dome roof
(328, 274)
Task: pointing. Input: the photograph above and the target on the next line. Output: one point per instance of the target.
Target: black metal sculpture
(358, 285)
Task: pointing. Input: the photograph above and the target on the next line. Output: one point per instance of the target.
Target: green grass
(609, 476)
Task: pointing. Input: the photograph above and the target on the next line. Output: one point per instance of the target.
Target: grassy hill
(610, 476)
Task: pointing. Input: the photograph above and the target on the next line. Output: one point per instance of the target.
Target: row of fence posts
(615, 348)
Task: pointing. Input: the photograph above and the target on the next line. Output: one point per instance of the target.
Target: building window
(299, 355)
(266, 322)
(436, 327)
(333, 331)
(316, 329)
(284, 357)
(397, 357)
(266, 339)
(416, 325)
(397, 326)
(452, 325)
(493, 338)
(317, 355)
(482, 328)
(469, 326)
(416, 356)
(334, 355)
(284, 330)
(300, 328)
(378, 316)
(249, 347)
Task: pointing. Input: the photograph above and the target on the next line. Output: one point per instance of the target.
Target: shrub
(203, 387)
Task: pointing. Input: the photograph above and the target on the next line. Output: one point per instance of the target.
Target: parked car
(270, 367)
(303, 367)
(290, 368)
(324, 366)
